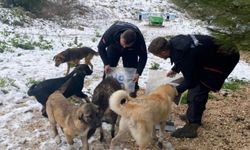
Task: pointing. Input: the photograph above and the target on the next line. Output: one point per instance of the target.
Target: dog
(73, 56)
(73, 120)
(101, 97)
(42, 90)
(140, 115)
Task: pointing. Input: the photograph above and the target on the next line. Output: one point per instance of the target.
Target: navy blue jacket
(200, 61)
(112, 37)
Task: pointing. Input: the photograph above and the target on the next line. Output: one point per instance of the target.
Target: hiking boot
(183, 117)
(188, 131)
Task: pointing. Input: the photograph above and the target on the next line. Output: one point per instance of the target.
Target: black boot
(188, 131)
(134, 94)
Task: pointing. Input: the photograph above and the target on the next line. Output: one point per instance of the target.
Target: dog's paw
(58, 140)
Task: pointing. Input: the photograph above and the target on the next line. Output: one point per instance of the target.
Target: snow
(21, 123)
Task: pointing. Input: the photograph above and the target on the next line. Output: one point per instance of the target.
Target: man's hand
(107, 69)
(171, 74)
(135, 77)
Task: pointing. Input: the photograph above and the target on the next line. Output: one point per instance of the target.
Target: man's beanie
(157, 45)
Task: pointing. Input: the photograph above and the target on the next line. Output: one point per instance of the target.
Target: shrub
(33, 6)
(3, 46)
(25, 42)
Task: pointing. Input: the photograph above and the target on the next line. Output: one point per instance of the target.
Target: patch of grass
(31, 81)
(43, 44)
(27, 43)
(233, 84)
(4, 47)
(98, 34)
(75, 43)
(5, 82)
(184, 97)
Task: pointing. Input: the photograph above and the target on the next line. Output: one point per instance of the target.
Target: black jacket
(112, 36)
(198, 59)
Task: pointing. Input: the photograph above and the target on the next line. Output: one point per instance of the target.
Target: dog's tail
(117, 99)
(31, 91)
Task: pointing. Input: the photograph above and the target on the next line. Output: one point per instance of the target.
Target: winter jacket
(199, 60)
(112, 37)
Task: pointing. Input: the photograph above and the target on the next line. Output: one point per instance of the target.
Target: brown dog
(73, 120)
(140, 115)
(73, 56)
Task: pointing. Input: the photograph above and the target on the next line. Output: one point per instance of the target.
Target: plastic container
(156, 20)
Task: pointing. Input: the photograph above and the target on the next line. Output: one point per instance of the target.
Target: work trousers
(197, 98)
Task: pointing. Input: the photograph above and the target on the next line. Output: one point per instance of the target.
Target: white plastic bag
(124, 76)
(158, 77)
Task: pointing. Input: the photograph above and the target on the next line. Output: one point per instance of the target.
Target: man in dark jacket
(124, 40)
(204, 64)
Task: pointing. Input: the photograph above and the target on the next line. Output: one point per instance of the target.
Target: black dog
(101, 98)
(44, 89)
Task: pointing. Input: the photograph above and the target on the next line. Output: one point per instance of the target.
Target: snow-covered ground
(21, 123)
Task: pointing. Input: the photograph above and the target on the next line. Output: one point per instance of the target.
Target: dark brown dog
(73, 56)
(101, 98)
(73, 120)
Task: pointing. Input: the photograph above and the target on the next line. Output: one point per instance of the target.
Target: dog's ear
(80, 115)
(54, 58)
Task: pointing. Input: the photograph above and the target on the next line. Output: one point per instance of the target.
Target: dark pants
(129, 58)
(197, 99)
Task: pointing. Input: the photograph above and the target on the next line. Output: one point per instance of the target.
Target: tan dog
(73, 56)
(73, 120)
(140, 115)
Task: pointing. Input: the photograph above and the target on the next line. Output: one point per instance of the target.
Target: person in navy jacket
(204, 64)
(123, 39)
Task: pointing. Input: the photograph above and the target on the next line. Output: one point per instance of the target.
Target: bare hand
(171, 74)
(135, 77)
(107, 69)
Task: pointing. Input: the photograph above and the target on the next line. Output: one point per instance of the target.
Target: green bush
(22, 42)
(25, 42)
(43, 44)
(15, 16)
(34, 6)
